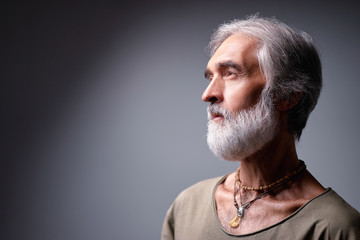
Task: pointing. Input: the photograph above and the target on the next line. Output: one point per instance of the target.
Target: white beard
(242, 135)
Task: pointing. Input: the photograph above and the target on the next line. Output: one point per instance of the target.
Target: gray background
(103, 122)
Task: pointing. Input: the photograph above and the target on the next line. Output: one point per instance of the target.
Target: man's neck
(274, 161)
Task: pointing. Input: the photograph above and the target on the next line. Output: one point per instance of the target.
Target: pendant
(237, 219)
(235, 222)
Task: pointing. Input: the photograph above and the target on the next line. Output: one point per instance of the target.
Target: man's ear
(287, 104)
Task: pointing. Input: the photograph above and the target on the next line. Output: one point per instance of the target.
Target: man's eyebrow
(231, 64)
(208, 73)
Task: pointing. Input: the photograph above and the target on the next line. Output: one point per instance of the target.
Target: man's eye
(229, 73)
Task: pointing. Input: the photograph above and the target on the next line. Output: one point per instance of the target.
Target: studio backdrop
(103, 119)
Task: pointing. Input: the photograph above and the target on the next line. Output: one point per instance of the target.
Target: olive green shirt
(193, 216)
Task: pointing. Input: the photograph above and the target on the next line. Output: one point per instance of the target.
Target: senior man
(264, 80)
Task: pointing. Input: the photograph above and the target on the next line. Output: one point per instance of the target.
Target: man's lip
(216, 116)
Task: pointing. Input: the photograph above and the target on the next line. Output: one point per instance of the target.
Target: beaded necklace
(240, 210)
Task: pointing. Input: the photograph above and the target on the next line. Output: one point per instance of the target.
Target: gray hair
(287, 58)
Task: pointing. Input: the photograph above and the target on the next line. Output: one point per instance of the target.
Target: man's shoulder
(192, 212)
(334, 210)
(332, 204)
(200, 190)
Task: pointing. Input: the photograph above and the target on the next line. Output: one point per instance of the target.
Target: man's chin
(223, 149)
(232, 148)
(217, 123)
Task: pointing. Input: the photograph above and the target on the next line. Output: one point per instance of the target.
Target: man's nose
(214, 91)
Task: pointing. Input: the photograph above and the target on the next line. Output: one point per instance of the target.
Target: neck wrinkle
(274, 161)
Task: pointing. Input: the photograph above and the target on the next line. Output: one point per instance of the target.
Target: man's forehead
(238, 48)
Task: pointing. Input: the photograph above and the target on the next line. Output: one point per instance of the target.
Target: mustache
(215, 108)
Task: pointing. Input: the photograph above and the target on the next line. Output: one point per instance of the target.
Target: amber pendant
(235, 222)
(237, 219)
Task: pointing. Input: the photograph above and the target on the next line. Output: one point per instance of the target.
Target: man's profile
(264, 80)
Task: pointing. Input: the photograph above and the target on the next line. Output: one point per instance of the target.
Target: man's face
(235, 78)
(241, 119)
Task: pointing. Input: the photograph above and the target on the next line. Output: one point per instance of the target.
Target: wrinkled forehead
(240, 49)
